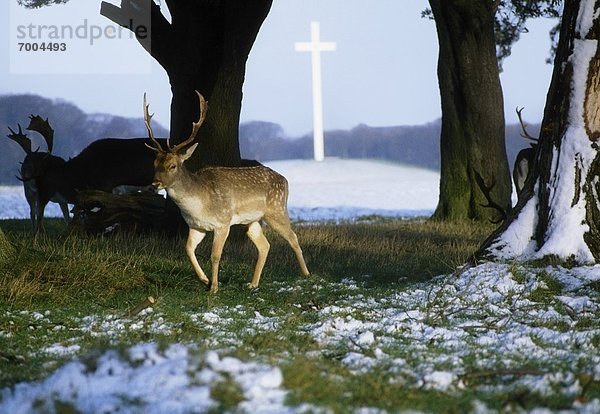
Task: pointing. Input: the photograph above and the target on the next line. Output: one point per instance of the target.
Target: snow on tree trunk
(561, 217)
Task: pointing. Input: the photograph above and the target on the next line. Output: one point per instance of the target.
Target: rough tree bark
(559, 214)
(205, 47)
(472, 136)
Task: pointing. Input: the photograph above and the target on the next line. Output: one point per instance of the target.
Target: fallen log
(99, 212)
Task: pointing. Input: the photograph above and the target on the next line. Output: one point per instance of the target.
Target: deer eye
(172, 167)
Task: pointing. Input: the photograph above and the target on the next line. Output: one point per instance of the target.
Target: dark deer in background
(103, 165)
(525, 157)
(521, 168)
(32, 170)
(215, 198)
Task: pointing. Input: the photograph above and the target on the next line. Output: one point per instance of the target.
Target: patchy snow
(446, 335)
(485, 308)
(483, 331)
(178, 379)
(440, 380)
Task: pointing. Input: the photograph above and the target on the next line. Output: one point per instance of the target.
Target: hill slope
(333, 189)
(263, 141)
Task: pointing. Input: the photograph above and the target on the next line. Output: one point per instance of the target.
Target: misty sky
(382, 73)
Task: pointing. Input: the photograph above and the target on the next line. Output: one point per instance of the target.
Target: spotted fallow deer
(215, 198)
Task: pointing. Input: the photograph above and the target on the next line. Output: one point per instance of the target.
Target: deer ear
(188, 152)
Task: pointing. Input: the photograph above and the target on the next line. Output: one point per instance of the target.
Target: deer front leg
(255, 234)
(194, 239)
(217, 249)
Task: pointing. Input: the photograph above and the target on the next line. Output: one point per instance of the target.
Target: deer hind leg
(194, 239)
(64, 207)
(39, 216)
(283, 226)
(217, 249)
(255, 234)
(32, 200)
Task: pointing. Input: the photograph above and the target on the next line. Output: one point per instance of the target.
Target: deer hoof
(252, 286)
(214, 289)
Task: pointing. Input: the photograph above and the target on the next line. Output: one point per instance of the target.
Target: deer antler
(488, 196)
(525, 134)
(38, 124)
(147, 119)
(195, 125)
(21, 139)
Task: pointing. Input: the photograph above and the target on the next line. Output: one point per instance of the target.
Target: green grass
(114, 271)
(53, 284)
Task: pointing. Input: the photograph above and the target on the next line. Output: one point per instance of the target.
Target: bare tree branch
(146, 21)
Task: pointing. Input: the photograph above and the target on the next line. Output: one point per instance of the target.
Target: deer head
(34, 163)
(169, 161)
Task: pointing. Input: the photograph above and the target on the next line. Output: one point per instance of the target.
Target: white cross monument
(315, 46)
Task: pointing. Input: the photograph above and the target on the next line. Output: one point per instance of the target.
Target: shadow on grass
(380, 253)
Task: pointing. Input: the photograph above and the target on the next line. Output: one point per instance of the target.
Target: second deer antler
(525, 134)
(195, 125)
(21, 139)
(38, 124)
(487, 193)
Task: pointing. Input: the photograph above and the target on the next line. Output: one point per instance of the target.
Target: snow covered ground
(334, 189)
(337, 189)
(446, 335)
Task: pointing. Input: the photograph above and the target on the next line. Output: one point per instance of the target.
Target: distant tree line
(414, 145)
(263, 141)
(73, 129)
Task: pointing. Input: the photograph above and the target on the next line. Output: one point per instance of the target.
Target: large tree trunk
(472, 136)
(205, 47)
(213, 62)
(559, 214)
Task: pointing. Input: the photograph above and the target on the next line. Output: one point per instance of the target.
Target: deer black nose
(157, 185)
